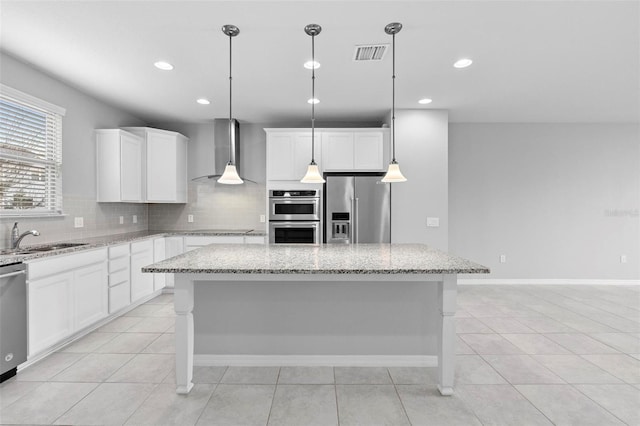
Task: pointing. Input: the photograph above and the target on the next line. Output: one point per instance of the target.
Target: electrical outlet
(503, 258)
(135, 218)
(78, 222)
(190, 218)
(433, 222)
(263, 218)
(623, 258)
(121, 220)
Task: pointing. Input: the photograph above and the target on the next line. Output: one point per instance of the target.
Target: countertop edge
(314, 271)
(115, 239)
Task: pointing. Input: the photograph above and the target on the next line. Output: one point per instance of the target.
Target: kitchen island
(387, 265)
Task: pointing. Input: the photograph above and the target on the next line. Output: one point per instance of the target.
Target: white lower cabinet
(159, 254)
(68, 293)
(65, 294)
(50, 311)
(119, 277)
(254, 239)
(141, 256)
(197, 241)
(119, 296)
(91, 295)
(173, 246)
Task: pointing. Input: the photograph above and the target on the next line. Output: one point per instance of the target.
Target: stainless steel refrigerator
(357, 208)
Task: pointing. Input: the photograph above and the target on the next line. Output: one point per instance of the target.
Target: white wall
(561, 201)
(84, 114)
(421, 151)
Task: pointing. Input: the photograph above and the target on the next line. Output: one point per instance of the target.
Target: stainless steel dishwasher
(13, 319)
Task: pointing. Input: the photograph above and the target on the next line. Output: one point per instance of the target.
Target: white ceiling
(534, 61)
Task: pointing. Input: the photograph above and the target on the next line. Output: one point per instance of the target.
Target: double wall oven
(294, 217)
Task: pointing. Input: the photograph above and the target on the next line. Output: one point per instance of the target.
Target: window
(30, 155)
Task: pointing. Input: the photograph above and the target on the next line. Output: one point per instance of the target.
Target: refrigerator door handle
(352, 221)
(356, 212)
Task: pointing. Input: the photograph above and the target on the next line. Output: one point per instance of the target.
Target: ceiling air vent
(370, 52)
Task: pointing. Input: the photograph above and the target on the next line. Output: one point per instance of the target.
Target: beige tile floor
(527, 355)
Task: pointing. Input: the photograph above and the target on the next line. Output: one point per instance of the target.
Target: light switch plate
(433, 222)
(121, 220)
(263, 218)
(503, 258)
(135, 218)
(78, 222)
(190, 218)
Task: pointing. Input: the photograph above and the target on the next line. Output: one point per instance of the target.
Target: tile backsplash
(213, 206)
(99, 219)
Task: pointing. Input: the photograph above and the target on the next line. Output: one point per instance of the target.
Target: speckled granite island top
(322, 259)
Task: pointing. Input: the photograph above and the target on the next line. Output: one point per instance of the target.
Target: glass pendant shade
(313, 175)
(230, 176)
(394, 174)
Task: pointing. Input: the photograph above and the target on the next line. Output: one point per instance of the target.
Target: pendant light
(393, 172)
(313, 174)
(230, 175)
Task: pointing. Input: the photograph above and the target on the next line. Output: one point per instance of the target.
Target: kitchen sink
(40, 249)
(59, 246)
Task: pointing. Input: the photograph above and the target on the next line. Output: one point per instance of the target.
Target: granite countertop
(107, 240)
(321, 259)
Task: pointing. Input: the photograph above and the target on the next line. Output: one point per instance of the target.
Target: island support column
(183, 302)
(447, 292)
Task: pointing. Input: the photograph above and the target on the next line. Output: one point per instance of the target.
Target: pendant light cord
(313, 98)
(393, 99)
(230, 97)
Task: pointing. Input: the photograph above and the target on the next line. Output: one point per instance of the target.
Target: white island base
(184, 303)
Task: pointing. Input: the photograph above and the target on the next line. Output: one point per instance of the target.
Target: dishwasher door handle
(12, 274)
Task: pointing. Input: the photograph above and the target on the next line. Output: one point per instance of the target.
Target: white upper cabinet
(368, 151)
(336, 150)
(289, 153)
(353, 151)
(119, 166)
(141, 164)
(165, 165)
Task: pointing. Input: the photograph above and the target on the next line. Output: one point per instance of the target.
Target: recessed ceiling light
(312, 64)
(425, 101)
(463, 63)
(313, 101)
(203, 101)
(162, 65)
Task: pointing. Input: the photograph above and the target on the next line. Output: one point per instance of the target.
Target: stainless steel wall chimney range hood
(221, 150)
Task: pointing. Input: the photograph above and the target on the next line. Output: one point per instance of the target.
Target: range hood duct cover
(221, 150)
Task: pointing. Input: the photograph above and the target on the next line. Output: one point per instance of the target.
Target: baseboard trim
(544, 281)
(316, 360)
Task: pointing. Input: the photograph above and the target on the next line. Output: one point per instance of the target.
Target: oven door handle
(294, 224)
(294, 200)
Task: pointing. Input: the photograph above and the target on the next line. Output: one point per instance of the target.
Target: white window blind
(30, 155)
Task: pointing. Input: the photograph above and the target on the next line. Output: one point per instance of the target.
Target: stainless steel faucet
(16, 237)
